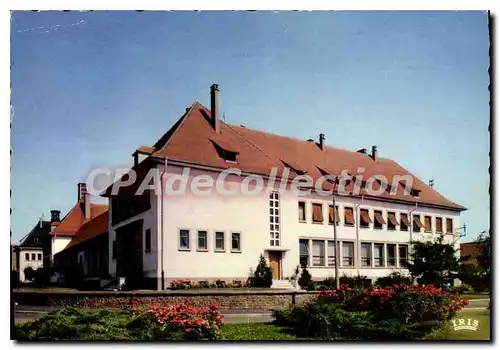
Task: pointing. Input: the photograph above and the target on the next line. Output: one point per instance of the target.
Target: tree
(433, 262)
(484, 257)
(29, 273)
(305, 279)
(263, 276)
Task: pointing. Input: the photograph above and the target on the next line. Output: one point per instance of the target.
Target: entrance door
(274, 264)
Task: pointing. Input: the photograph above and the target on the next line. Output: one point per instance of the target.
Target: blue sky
(89, 87)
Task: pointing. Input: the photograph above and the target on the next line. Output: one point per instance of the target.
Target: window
(331, 252)
(379, 220)
(202, 240)
(274, 219)
(348, 217)
(403, 255)
(391, 221)
(417, 224)
(428, 223)
(304, 252)
(113, 250)
(225, 150)
(36, 239)
(439, 225)
(347, 253)
(33, 256)
(449, 226)
(184, 239)
(318, 253)
(378, 255)
(364, 218)
(404, 222)
(317, 212)
(39, 256)
(330, 214)
(219, 241)
(391, 255)
(147, 238)
(302, 211)
(26, 256)
(235, 242)
(366, 254)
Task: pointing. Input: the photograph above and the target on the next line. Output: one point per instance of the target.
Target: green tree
(263, 276)
(484, 257)
(305, 280)
(433, 262)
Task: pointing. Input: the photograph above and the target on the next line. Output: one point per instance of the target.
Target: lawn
(266, 331)
(472, 296)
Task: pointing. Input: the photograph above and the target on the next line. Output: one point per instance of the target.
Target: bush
(171, 322)
(305, 279)
(263, 276)
(356, 281)
(391, 279)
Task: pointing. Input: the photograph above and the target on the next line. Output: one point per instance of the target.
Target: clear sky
(89, 87)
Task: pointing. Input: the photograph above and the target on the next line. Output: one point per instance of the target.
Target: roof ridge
(250, 142)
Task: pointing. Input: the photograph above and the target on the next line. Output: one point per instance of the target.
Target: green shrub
(263, 276)
(356, 281)
(391, 279)
(305, 279)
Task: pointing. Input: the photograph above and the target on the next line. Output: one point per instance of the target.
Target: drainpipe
(356, 221)
(161, 225)
(410, 246)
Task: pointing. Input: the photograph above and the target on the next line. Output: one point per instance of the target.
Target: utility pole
(335, 242)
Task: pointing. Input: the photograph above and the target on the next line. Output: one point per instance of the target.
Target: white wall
(23, 263)
(58, 244)
(250, 217)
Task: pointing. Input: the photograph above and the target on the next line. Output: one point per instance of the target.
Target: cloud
(52, 28)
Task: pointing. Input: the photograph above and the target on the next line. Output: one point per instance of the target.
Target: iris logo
(462, 323)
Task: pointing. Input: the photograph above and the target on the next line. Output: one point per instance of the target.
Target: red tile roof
(92, 228)
(191, 139)
(72, 222)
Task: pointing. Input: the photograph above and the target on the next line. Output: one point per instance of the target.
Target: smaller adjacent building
(470, 251)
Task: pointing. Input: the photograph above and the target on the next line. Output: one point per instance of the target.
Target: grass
(472, 296)
(256, 331)
(482, 333)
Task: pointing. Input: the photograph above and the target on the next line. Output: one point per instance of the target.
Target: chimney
(374, 152)
(321, 141)
(55, 216)
(82, 189)
(362, 150)
(214, 107)
(84, 199)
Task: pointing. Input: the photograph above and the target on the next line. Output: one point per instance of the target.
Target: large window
(184, 239)
(274, 219)
(331, 214)
(378, 255)
(331, 253)
(317, 212)
(302, 211)
(428, 223)
(304, 252)
(219, 241)
(439, 225)
(366, 254)
(405, 223)
(379, 220)
(449, 226)
(391, 255)
(403, 255)
(348, 216)
(202, 240)
(318, 253)
(364, 218)
(347, 253)
(235, 242)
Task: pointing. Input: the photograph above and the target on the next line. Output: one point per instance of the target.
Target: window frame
(376, 224)
(315, 204)
(344, 257)
(180, 247)
(204, 249)
(369, 258)
(303, 203)
(223, 249)
(430, 230)
(390, 225)
(336, 214)
(451, 221)
(388, 256)
(362, 222)
(27, 256)
(415, 227)
(405, 258)
(308, 252)
(439, 228)
(321, 257)
(328, 256)
(39, 256)
(236, 250)
(402, 225)
(381, 258)
(349, 209)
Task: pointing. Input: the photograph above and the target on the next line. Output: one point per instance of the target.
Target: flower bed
(187, 284)
(396, 312)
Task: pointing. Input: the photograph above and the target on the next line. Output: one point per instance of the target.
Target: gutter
(161, 225)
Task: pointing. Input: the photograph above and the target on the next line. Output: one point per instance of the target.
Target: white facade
(58, 243)
(29, 257)
(250, 216)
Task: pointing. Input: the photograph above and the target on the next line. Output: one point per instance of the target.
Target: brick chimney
(214, 107)
(374, 152)
(55, 216)
(321, 141)
(84, 199)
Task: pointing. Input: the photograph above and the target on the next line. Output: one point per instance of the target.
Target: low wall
(226, 300)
